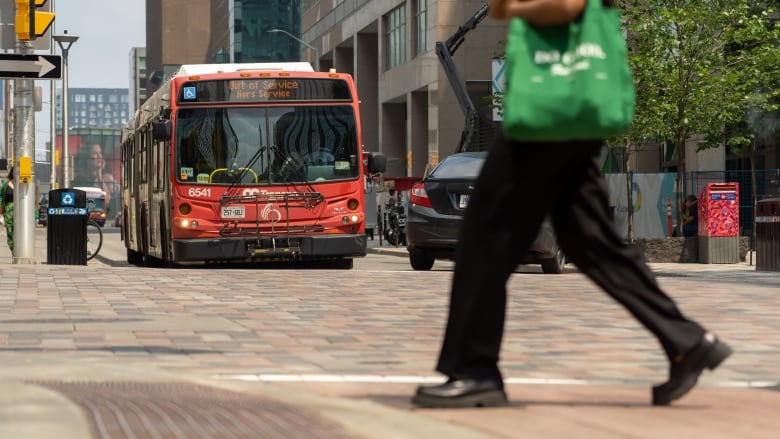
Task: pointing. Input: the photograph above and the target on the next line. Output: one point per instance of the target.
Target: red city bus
(96, 204)
(246, 162)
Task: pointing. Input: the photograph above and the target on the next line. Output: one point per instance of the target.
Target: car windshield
(266, 145)
(459, 166)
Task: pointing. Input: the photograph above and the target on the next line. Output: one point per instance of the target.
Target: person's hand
(497, 9)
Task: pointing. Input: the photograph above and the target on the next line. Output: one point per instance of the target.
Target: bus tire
(165, 251)
(343, 263)
(134, 258)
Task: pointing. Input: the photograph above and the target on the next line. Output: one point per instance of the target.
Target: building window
(395, 37)
(420, 26)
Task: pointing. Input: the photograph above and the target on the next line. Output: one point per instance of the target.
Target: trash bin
(719, 223)
(66, 231)
(768, 234)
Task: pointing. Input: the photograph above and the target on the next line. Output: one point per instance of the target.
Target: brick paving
(569, 351)
(317, 324)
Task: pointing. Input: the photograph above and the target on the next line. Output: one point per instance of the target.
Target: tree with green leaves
(701, 67)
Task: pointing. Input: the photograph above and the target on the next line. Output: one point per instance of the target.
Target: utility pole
(28, 24)
(52, 122)
(24, 171)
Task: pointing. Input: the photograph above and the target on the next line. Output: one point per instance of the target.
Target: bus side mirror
(161, 130)
(377, 162)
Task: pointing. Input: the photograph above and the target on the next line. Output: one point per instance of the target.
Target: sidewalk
(50, 360)
(660, 268)
(40, 247)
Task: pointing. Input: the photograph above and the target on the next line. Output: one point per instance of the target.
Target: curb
(396, 251)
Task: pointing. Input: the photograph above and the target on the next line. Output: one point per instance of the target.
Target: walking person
(498, 228)
(7, 207)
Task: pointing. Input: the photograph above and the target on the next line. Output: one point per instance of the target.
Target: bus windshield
(266, 145)
(96, 203)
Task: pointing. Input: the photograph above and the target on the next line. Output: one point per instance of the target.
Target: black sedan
(436, 207)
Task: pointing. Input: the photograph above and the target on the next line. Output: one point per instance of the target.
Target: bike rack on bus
(287, 200)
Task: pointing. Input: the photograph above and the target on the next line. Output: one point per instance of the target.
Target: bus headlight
(185, 223)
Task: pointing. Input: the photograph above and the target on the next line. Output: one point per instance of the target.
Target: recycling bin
(768, 234)
(66, 231)
(719, 223)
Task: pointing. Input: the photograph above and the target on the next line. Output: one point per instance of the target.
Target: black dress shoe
(459, 393)
(684, 371)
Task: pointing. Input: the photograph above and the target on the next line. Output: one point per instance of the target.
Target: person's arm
(537, 12)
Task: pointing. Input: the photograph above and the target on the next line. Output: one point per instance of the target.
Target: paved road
(347, 348)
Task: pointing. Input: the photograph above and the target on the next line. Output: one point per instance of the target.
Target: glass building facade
(254, 18)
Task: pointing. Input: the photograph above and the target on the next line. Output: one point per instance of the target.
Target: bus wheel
(165, 252)
(134, 258)
(343, 263)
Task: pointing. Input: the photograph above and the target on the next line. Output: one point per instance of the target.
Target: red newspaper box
(719, 223)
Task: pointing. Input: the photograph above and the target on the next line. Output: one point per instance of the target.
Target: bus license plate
(232, 212)
(463, 201)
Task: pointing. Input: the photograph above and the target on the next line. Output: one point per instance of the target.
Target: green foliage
(700, 67)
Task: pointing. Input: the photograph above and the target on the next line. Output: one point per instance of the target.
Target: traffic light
(29, 22)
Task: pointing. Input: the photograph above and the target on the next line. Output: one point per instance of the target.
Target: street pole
(52, 122)
(314, 49)
(24, 171)
(65, 41)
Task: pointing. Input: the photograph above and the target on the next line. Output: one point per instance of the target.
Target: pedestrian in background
(499, 227)
(691, 218)
(392, 199)
(7, 207)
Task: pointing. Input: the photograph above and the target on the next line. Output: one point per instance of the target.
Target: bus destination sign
(264, 90)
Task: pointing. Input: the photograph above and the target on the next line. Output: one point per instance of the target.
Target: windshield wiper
(247, 167)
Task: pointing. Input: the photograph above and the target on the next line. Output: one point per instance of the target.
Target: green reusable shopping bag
(568, 82)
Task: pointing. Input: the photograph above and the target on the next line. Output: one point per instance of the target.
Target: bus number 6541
(199, 192)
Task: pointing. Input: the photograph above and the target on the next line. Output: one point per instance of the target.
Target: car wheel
(420, 259)
(554, 265)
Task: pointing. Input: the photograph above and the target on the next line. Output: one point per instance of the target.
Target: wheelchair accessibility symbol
(189, 93)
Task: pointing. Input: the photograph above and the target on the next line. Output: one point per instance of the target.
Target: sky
(107, 30)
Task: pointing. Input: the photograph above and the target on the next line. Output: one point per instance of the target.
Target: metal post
(24, 193)
(65, 41)
(314, 49)
(52, 121)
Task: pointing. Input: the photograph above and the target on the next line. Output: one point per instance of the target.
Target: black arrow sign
(30, 66)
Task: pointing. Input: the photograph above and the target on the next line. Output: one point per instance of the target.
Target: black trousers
(519, 185)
